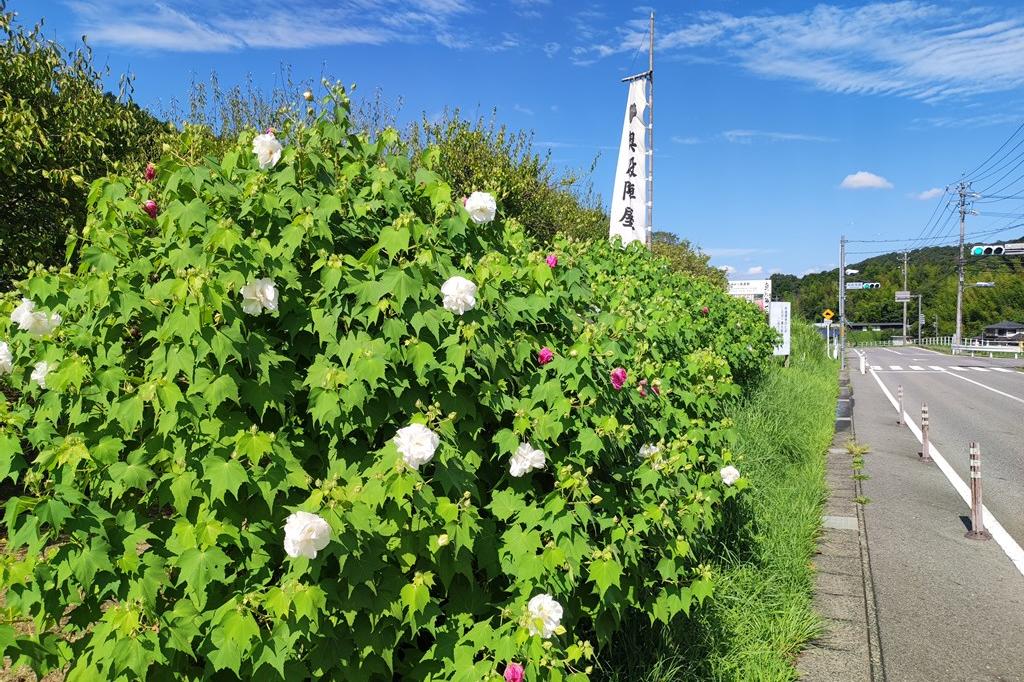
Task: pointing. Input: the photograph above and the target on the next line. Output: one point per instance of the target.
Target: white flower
(267, 150)
(39, 373)
(649, 450)
(459, 295)
(729, 474)
(481, 207)
(6, 358)
(33, 322)
(417, 444)
(259, 295)
(526, 458)
(545, 615)
(305, 534)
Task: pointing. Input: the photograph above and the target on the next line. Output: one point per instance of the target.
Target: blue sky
(778, 126)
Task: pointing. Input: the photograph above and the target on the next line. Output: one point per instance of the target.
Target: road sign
(902, 296)
(828, 314)
(852, 286)
(920, 320)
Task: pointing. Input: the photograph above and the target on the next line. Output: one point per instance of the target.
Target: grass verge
(761, 615)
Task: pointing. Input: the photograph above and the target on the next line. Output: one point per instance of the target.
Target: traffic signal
(871, 285)
(1010, 249)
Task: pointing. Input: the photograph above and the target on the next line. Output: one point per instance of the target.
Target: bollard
(925, 453)
(862, 364)
(977, 531)
(899, 394)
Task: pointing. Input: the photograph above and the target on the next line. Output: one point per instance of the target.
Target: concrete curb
(844, 594)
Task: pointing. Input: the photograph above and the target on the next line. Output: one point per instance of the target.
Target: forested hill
(932, 273)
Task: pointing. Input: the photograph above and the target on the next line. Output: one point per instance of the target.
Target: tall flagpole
(650, 142)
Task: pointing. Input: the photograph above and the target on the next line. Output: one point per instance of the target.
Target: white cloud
(551, 49)
(748, 136)
(755, 270)
(865, 180)
(522, 110)
(222, 27)
(909, 48)
(932, 193)
(728, 269)
(686, 140)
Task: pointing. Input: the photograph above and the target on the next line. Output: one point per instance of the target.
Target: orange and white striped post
(977, 531)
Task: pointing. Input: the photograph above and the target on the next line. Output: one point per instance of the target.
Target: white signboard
(778, 318)
(629, 195)
(902, 296)
(758, 291)
(854, 285)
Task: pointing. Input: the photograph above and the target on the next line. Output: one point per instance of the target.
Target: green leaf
(199, 568)
(224, 475)
(604, 574)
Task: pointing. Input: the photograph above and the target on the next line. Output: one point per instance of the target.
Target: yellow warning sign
(828, 314)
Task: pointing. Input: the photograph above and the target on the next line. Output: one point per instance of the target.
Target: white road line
(989, 388)
(876, 367)
(897, 367)
(917, 367)
(978, 369)
(1001, 369)
(933, 351)
(959, 368)
(890, 350)
(935, 367)
(1013, 550)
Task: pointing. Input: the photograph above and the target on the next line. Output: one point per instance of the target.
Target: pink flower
(545, 356)
(656, 387)
(464, 200)
(704, 311)
(151, 208)
(513, 672)
(150, 172)
(270, 131)
(618, 378)
(552, 260)
(642, 388)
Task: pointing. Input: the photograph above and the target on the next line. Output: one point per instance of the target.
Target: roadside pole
(977, 531)
(842, 302)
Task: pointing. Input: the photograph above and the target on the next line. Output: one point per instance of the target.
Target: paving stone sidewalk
(844, 596)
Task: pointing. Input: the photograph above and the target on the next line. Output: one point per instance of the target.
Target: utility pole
(936, 324)
(842, 302)
(920, 320)
(905, 255)
(963, 189)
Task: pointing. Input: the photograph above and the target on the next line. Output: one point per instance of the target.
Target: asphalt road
(949, 608)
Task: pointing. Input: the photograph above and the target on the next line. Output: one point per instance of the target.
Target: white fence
(972, 348)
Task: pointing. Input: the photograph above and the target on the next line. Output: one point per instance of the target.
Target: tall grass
(761, 614)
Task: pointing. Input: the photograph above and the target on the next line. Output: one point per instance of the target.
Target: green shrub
(179, 430)
(59, 131)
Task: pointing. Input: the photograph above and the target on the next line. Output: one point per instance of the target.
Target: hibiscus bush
(317, 418)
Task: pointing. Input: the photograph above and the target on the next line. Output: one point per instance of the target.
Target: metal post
(650, 142)
(920, 324)
(977, 531)
(899, 394)
(905, 256)
(842, 302)
(862, 364)
(925, 453)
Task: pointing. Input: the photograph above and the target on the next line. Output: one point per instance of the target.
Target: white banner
(778, 318)
(629, 195)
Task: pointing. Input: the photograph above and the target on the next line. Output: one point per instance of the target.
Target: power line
(990, 156)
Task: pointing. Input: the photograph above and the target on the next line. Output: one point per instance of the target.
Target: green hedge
(262, 347)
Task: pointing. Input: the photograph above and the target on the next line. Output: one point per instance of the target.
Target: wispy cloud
(932, 193)
(748, 136)
(221, 27)
(551, 49)
(909, 48)
(522, 110)
(678, 139)
(865, 180)
(755, 270)
(727, 269)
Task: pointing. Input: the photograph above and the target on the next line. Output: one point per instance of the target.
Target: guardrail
(990, 348)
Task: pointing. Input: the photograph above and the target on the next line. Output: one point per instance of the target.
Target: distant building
(1005, 332)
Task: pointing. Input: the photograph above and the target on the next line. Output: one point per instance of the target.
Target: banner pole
(650, 142)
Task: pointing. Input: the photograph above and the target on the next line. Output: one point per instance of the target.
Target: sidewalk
(904, 595)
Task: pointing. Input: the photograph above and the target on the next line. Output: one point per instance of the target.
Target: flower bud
(308, 95)
(442, 539)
